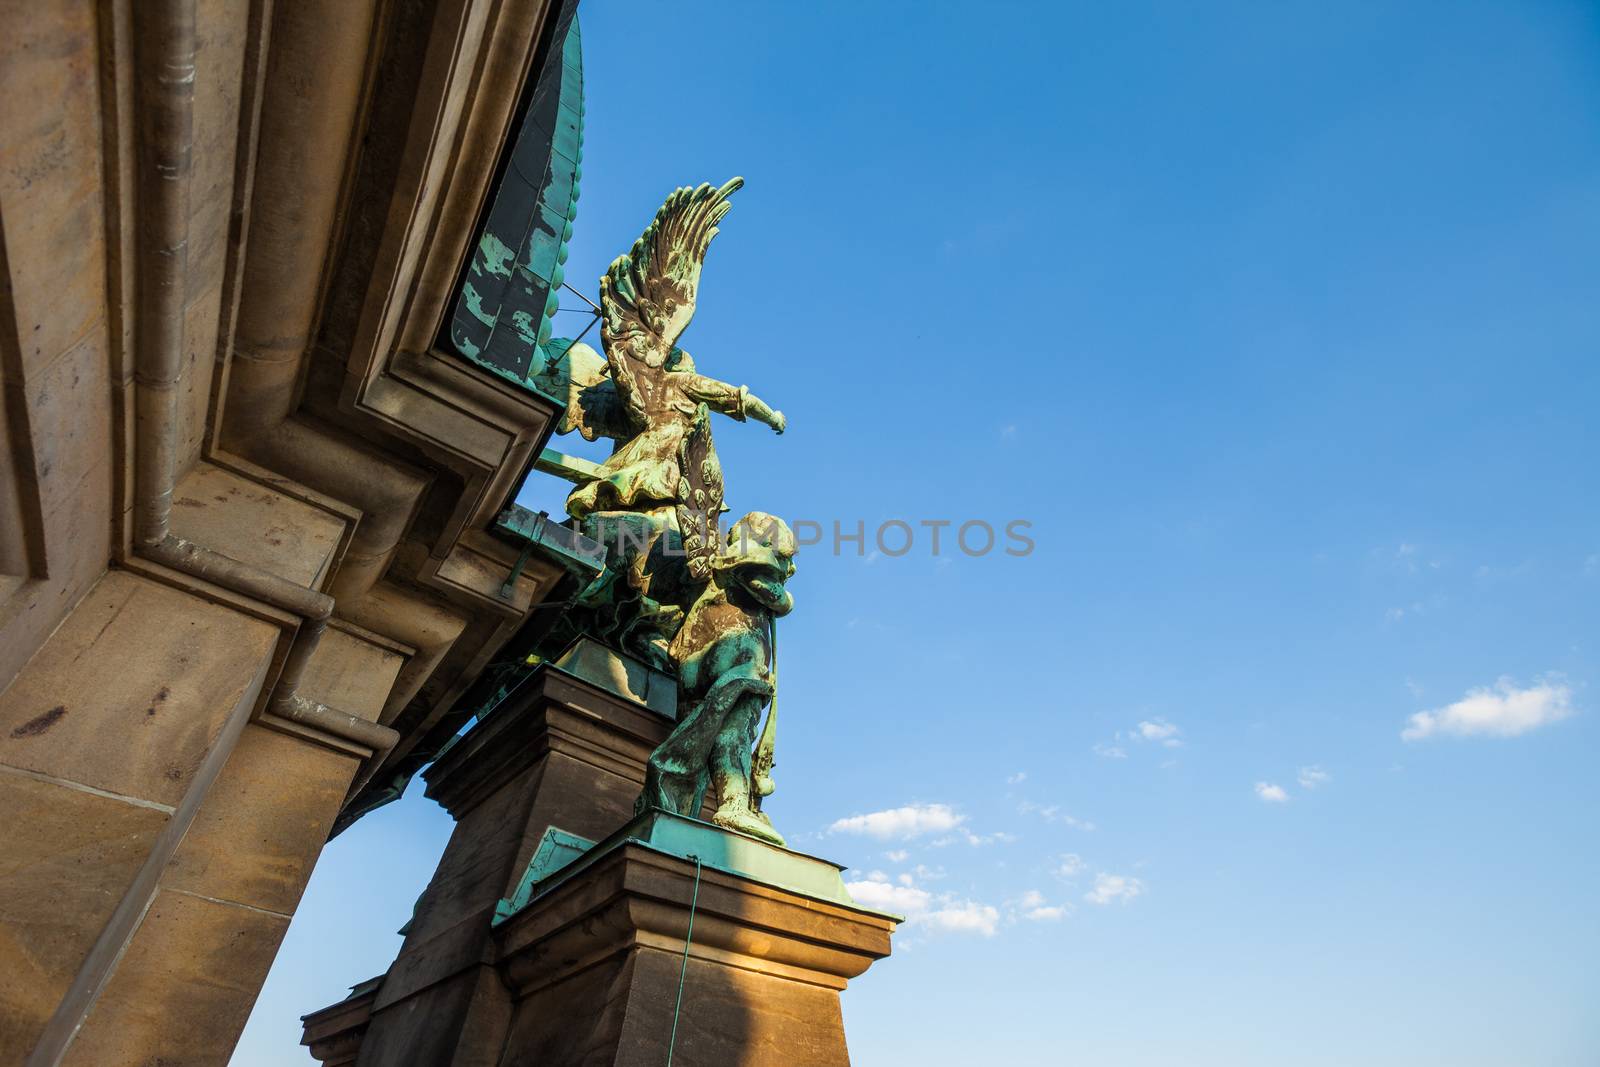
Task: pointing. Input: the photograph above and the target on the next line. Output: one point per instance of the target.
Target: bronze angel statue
(673, 590)
(646, 393)
(662, 487)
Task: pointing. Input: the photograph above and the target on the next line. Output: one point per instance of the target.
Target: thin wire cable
(581, 296)
(683, 968)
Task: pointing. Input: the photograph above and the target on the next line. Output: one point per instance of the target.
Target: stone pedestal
(596, 954)
(535, 945)
(567, 749)
(334, 1034)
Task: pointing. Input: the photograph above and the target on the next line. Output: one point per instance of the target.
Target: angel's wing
(577, 377)
(647, 296)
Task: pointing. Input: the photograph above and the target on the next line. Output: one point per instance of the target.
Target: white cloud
(897, 855)
(1071, 866)
(922, 908)
(1500, 711)
(1110, 752)
(1272, 794)
(968, 916)
(1113, 887)
(1036, 908)
(913, 820)
(1159, 730)
(1313, 776)
(1017, 779)
(897, 899)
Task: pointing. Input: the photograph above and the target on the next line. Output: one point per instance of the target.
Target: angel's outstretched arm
(735, 401)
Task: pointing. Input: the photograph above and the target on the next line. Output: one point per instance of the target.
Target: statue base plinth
(594, 951)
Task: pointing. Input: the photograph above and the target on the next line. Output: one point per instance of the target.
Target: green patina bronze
(675, 592)
(561, 857)
(502, 311)
(727, 673)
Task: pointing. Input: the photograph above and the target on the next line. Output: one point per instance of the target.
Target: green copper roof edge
(518, 522)
(561, 174)
(730, 852)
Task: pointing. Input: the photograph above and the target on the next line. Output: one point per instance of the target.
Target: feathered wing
(647, 296)
(577, 377)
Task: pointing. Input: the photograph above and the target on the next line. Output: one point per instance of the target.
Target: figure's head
(758, 559)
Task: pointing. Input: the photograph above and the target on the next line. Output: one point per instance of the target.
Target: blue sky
(1277, 323)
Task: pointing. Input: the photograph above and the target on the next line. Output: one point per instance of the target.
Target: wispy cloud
(1113, 888)
(897, 855)
(1271, 793)
(1036, 908)
(963, 835)
(922, 908)
(1406, 556)
(913, 820)
(1313, 777)
(1160, 731)
(1053, 813)
(1110, 751)
(1071, 866)
(1017, 779)
(1502, 710)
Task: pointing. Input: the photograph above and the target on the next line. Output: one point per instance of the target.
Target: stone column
(565, 751)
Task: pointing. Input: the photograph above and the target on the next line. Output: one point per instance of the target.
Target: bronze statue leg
(730, 771)
(678, 771)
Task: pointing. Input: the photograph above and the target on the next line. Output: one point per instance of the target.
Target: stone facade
(246, 564)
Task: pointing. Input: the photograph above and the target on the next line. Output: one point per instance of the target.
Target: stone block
(77, 536)
(263, 823)
(244, 519)
(334, 1034)
(51, 174)
(69, 408)
(131, 691)
(221, 27)
(183, 990)
(352, 673)
(68, 856)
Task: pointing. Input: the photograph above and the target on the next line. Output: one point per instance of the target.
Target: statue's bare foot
(745, 821)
